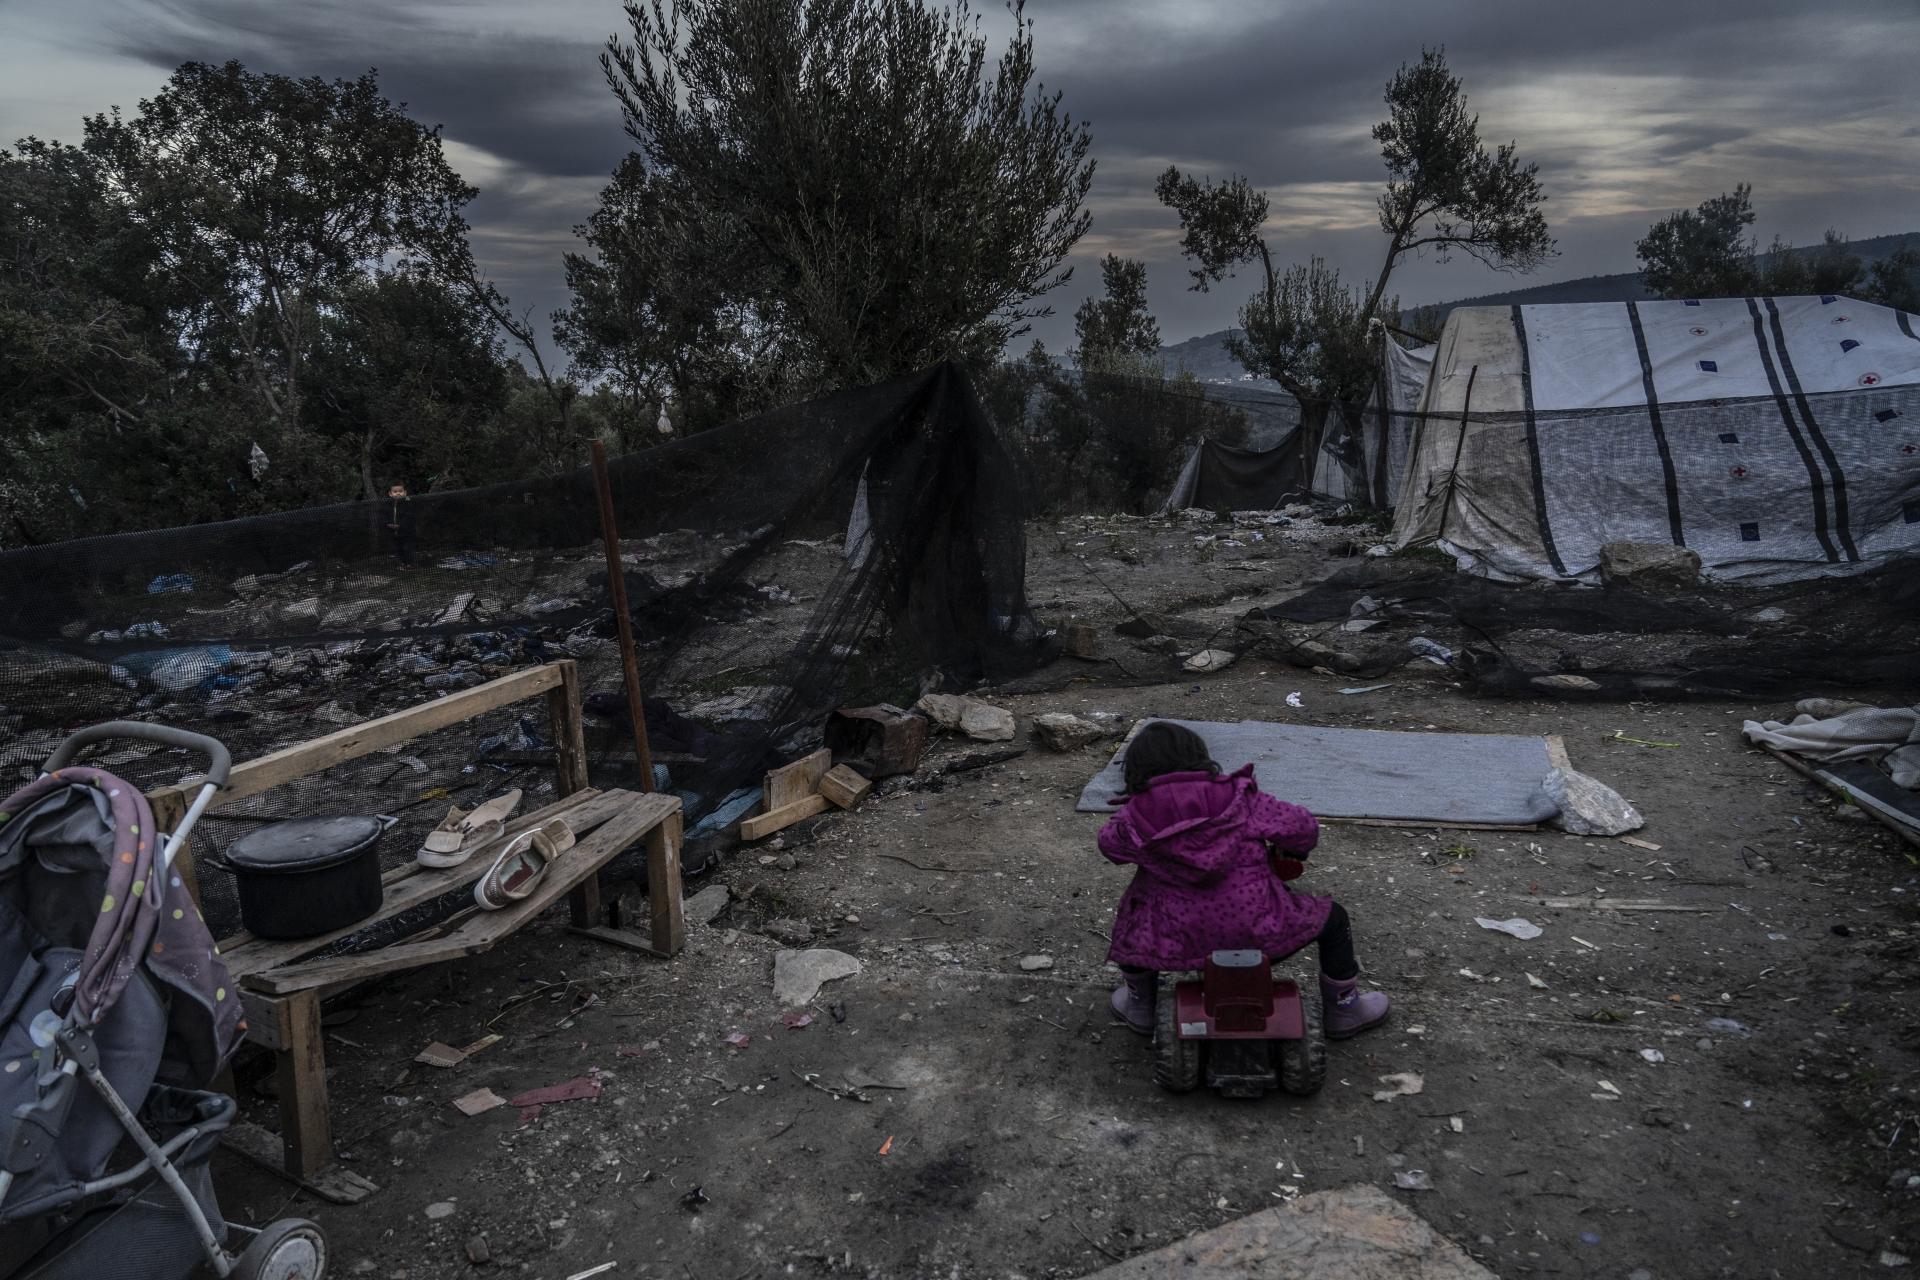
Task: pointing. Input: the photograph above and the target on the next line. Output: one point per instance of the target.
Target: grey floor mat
(1375, 773)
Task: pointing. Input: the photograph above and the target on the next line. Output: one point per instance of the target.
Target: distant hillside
(1207, 359)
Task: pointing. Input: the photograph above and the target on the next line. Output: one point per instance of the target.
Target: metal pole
(617, 587)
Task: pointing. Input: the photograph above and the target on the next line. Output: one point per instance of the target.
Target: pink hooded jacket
(1203, 882)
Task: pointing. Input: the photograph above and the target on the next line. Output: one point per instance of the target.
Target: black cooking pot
(308, 876)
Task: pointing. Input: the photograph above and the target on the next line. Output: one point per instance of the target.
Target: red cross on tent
(1869, 379)
(1739, 473)
(1698, 331)
(1910, 449)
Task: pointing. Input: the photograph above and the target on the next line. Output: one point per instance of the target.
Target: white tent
(1778, 437)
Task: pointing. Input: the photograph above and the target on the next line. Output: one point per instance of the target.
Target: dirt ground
(948, 1113)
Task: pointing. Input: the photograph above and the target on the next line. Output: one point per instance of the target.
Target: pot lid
(303, 844)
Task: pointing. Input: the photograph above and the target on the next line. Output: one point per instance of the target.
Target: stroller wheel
(290, 1249)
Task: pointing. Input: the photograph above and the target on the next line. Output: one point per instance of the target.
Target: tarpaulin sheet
(1479, 778)
(1219, 477)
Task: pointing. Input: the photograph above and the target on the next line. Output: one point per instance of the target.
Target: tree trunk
(366, 466)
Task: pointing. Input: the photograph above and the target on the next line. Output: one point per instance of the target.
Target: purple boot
(1347, 1010)
(1133, 1002)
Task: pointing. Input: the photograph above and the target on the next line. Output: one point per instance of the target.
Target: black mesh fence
(855, 549)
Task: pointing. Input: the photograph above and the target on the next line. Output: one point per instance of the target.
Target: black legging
(1336, 948)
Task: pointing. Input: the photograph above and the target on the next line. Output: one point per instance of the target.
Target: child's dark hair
(1165, 747)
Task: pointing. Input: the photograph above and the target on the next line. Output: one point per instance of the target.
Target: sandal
(464, 830)
(517, 872)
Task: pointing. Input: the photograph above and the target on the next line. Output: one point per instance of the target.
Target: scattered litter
(631, 1051)
(1210, 660)
(1517, 927)
(1432, 650)
(739, 1039)
(578, 1089)
(1293, 700)
(1609, 1086)
(1729, 1026)
(1413, 1180)
(1471, 976)
(692, 1201)
(887, 1145)
(170, 584)
(1033, 964)
(1653, 1055)
(1457, 1124)
(1620, 736)
(1589, 1237)
(1591, 946)
(440, 1209)
(795, 1021)
(442, 1055)
(478, 1102)
(1638, 843)
(605, 1267)
(1401, 1084)
(1536, 983)
(1888, 1258)
(1368, 688)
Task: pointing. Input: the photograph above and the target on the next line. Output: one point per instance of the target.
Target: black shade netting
(859, 548)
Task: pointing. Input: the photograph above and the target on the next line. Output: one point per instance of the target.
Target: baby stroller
(110, 977)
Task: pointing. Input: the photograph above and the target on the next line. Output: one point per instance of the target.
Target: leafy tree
(850, 181)
(1830, 268)
(1704, 252)
(1445, 192)
(1896, 280)
(1119, 323)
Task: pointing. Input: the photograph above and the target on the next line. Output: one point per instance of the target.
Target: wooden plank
(483, 929)
(630, 939)
(792, 783)
(569, 737)
(411, 884)
(334, 1184)
(1426, 824)
(844, 786)
(1557, 753)
(263, 1019)
(1813, 774)
(1619, 904)
(168, 808)
(301, 1066)
(252, 777)
(668, 917)
(773, 820)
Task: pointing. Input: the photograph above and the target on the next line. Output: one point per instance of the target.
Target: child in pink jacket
(1200, 842)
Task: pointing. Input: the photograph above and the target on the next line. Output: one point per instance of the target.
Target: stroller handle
(160, 733)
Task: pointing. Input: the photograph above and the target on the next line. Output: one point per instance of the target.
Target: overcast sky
(1631, 108)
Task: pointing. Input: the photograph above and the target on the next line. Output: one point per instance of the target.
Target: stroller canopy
(79, 861)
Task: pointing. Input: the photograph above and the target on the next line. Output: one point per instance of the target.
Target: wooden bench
(282, 983)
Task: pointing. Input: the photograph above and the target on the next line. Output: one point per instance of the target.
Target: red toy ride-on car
(1237, 1028)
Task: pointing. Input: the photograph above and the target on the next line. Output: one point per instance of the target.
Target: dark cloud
(1631, 108)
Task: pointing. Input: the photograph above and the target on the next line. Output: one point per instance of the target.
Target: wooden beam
(483, 929)
(844, 786)
(792, 783)
(301, 1064)
(569, 738)
(304, 758)
(668, 922)
(780, 819)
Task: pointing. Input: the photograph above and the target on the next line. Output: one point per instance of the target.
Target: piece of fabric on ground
(1887, 736)
(1374, 773)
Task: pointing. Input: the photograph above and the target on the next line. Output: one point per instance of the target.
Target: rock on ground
(799, 975)
(1211, 660)
(1589, 807)
(1649, 565)
(981, 721)
(1062, 731)
(1359, 1233)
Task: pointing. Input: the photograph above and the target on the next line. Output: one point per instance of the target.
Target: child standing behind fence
(1201, 842)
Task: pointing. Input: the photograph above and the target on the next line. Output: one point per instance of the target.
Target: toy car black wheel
(1303, 1062)
(1176, 1062)
(290, 1249)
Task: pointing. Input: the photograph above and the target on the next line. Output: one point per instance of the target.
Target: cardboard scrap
(479, 1102)
(578, 1089)
(446, 1056)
